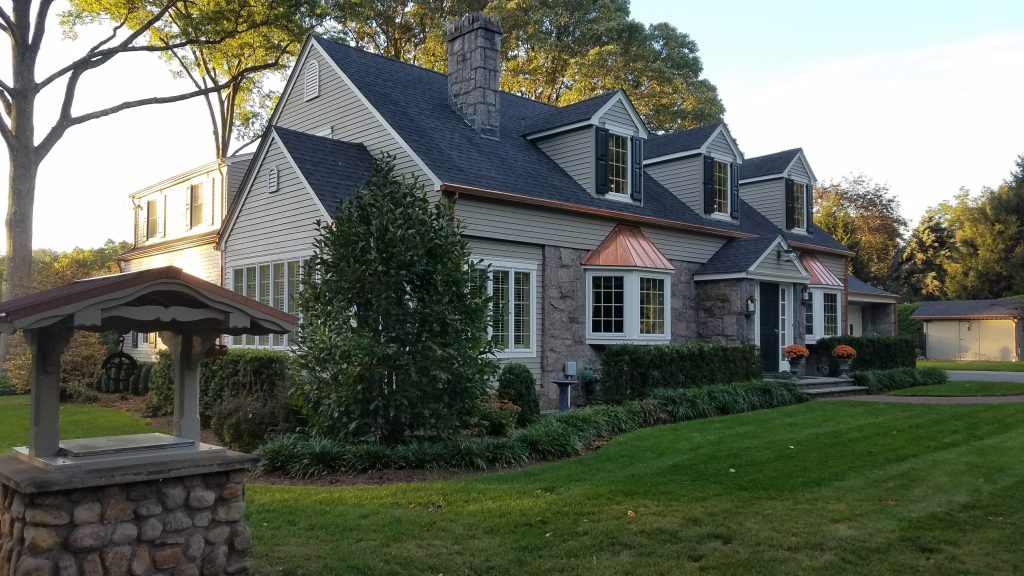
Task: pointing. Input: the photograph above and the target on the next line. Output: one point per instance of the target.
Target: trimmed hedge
(516, 385)
(630, 371)
(551, 438)
(873, 352)
(882, 381)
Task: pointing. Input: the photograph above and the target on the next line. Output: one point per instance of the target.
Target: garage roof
(971, 309)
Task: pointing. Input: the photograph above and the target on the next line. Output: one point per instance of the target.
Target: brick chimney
(474, 46)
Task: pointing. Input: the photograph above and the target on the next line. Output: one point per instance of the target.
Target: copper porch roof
(820, 275)
(627, 246)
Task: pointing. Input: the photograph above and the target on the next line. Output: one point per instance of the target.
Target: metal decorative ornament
(119, 366)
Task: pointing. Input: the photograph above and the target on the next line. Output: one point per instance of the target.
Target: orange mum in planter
(796, 352)
(844, 352)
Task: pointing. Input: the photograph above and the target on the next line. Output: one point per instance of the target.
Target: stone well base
(139, 521)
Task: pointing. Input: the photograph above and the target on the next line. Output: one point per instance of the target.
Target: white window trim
(229, 283)
(631, 305)
(628, 135)
(727, 215)
(818, 307)
(513, 267)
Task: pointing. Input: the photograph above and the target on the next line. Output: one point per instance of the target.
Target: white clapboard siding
(274, 224)
(200, 261)
(339, 111)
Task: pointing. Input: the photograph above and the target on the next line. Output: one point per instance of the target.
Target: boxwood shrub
(873, 352)
(882, 381)
(550, 438)
(630, 371)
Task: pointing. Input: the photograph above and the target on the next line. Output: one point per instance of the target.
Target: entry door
(768, 308)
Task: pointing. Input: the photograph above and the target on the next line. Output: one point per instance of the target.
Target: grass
(965, 388)
(76, 421)
(820, 488)
(981, 366)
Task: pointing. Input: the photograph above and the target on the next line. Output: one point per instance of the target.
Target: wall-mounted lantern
(751, 306)
(805, 295)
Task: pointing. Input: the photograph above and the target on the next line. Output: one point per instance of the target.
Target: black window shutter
(810, 205)
(709, 184)
(601, 160)
(790, 208)
(734, 192)
(637, 193)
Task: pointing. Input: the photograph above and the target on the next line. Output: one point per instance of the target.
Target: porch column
(186, 352)
(46, 345)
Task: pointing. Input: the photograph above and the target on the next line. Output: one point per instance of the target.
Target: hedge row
(242, 373)
(551, 438)
(873, 352)
(630, 371)
(882, 381)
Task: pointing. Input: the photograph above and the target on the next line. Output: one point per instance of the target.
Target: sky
(923, 96)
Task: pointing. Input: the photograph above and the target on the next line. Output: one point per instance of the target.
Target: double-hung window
(513, 312)
(274, 284)
(799, 206)
(809, 317)
(196, 205)
(627, 305)
(152, 219)
(618, 164)
(831, 313)
(721, 187)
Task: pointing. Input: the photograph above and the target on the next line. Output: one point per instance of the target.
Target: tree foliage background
(394, 333)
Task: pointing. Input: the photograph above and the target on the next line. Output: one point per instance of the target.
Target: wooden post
(187, 352)
(47, 345)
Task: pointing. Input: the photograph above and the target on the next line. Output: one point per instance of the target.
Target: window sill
(516, 354)
(627, 340)
(802, 231)
(616, 196)
(721, 216)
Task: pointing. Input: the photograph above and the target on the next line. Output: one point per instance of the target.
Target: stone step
(834, 391)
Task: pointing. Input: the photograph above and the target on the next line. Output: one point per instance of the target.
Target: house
(973, 329)
(596, 230)
(177, 222)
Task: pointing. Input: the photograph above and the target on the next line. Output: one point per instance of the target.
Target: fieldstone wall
(565, 322)
(186, 526)
(721, 311)
(878, 319)
(565, 317)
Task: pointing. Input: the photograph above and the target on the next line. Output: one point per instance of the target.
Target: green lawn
(76, 421)
(964, 388)
(981, 366)
(821, 488)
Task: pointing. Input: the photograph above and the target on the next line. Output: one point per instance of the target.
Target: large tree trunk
(20, 203)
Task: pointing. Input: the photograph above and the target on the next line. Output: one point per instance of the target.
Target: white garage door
(971, 340)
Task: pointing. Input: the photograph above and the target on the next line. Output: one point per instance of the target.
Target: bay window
(625, 305)
(823, 314)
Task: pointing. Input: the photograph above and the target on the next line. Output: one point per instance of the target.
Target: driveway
(985, 376)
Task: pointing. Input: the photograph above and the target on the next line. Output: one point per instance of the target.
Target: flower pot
(795, 364)
(844, 366)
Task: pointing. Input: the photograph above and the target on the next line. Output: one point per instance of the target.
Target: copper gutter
(814, 248)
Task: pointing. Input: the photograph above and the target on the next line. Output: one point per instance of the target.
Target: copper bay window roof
(627, 246)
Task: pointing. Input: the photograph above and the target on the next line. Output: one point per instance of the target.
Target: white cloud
(925, 121)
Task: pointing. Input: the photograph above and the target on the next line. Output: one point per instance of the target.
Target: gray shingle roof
(737, 255)
(333, 168)
(855, 284)
(414, 101)
(681, 141)
(767, 165)
(999, 308)
(573, 113)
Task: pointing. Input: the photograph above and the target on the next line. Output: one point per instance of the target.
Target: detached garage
(973, 329)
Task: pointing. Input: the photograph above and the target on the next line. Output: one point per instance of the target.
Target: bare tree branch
(5, 100)
(40, 27)
(5, 133)
(8, 24)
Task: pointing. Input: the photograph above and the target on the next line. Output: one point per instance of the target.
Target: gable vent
(272, 180)
(311, 89)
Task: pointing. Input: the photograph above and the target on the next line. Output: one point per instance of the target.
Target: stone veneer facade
(721, 311)
(565, 317)
(187, 526)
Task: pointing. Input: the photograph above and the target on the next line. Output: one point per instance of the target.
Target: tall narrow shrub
(516, 384)
(394, 333)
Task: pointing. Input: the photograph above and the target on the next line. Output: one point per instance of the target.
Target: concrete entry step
(834, 391)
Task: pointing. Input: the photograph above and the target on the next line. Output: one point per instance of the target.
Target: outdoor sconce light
(751, 306)
(805, 295)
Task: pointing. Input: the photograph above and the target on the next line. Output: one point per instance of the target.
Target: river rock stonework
(176, 527)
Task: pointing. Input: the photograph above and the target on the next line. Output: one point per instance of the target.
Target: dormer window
(721, 188)
(799, 206)
(619, 165)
